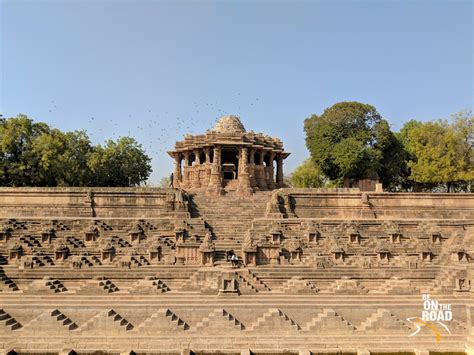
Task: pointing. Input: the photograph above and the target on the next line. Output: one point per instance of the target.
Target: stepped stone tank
(144, 270)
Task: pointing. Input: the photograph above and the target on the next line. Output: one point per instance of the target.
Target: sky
(157, 70)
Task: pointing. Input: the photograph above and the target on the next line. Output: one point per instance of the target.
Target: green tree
(62, 158)
(351, 140)
(33, 154)
(393, 169)
(441, 152)
(120, 163)
(307, 174)
(18, 166)
(164, 182)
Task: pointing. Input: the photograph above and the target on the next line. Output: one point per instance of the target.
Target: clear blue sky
(156, 70)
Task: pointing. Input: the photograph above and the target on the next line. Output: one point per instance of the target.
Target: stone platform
(320, 271)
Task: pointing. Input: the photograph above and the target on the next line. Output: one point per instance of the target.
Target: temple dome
(229, 124)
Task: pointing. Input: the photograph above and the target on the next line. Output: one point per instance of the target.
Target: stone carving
(5, 233)
(207, 243)
(107, 252)
(338, 251)
(383, 251)
(61, 251)
(15, 252)
(295, 249)
(273, 206)
(136, 233)
(76, 262)
(91, 233)
(227, 158)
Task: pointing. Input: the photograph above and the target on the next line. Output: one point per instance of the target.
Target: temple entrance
(230, 168)
(230, 164)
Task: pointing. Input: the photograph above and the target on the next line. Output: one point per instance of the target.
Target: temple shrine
(228, 158)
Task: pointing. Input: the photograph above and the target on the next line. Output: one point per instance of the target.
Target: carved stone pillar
(252, 177)
(177, 178)
(262, 156)
(186, 158)
(196, 169)
(243, 178)
(270, 173)
(207, 151)
(207, 164)
(279, 174)
(185, 178)
(260, 172)
(215, 183)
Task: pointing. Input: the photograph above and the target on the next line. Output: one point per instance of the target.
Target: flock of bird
(157, 131)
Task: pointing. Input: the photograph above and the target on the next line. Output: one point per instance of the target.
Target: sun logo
(419, 324)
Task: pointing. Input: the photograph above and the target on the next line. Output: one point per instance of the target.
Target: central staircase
(228, 217)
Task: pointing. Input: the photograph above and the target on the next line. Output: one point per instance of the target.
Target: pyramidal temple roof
(229, 124)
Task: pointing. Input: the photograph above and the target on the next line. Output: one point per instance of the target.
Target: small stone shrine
(228, 158)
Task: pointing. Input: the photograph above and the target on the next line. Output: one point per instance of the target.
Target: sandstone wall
(351, 203)
(88, 202)
(301, 203)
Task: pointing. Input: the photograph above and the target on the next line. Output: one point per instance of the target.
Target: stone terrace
(144, 271)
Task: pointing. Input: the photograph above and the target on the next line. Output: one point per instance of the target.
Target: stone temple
(321, 271)
(227, 158)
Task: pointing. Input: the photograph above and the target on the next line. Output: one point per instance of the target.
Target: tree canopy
(351, 140)
(34, 154)
(307, 174)
(441, 152)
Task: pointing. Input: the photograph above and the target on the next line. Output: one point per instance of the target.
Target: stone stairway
(252, 278)
(273, 318)
(39, 322)
(139, 261)
(222, 316)
(55, 285)
(7, 283)
(42, 260)
(205, 281)
(46, 284)
(151, 284)
(30, 241)
(91, 260)
(8, 321)
(228, 217)
(174, 322)
(296, 285)
(63, 319)
(385, 319)
(394, 285)
(111, 314)
(329, 319)
(346, 286)
(445, 280)
(108, 286)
